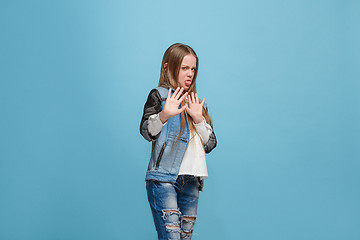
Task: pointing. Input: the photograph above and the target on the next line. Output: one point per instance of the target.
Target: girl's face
(187, 71)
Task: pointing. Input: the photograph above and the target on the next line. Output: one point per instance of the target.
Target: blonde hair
(173, 57)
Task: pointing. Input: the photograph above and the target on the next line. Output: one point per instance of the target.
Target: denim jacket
(168, 153)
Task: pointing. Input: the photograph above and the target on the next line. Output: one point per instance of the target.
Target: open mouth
(187, 83)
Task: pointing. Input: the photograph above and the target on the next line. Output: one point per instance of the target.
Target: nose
(190, 73)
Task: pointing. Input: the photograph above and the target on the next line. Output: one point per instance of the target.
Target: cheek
(181, 76)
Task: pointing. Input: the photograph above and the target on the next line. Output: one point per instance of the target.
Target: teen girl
(180, 129)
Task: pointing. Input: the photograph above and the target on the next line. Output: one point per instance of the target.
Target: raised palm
(194, 107)
(171, 107)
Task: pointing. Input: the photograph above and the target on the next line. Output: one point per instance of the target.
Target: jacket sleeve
(152, 106)
(212, 142)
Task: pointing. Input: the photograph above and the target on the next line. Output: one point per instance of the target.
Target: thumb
(183, 108)
(187, 106)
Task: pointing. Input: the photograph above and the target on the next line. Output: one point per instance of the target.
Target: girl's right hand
(171, 107)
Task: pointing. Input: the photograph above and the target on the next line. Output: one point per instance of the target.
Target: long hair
(173, 56)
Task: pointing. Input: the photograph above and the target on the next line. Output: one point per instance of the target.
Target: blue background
(281, 79)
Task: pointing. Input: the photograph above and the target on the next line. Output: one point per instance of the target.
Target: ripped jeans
(174, 206)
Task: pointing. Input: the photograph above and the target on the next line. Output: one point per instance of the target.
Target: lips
(187, 83)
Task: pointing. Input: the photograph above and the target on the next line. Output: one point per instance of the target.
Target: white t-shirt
(194, 162)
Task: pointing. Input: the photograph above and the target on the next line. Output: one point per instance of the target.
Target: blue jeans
(174, 206)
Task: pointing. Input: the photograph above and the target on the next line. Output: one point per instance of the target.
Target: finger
(189, 99)
(197, 98)
(168, 95)
(176, 91)
(183, 96)
(202, 102)
(192, 97)
(183, 108)
(179, 93)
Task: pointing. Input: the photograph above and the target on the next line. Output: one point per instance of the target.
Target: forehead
(189, 60)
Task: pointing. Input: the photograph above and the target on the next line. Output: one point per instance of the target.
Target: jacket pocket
(160, 155)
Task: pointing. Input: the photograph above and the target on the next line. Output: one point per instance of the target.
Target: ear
(165, 65)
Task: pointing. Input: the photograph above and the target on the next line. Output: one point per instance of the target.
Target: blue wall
(281, 79)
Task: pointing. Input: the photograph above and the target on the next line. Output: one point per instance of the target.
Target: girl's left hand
(194, 107)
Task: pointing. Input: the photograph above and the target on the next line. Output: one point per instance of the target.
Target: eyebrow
(184, 65)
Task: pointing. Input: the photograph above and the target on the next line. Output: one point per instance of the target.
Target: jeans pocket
(150, 184)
